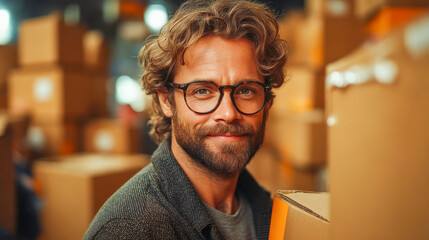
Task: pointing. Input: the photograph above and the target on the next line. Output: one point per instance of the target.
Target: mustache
(219, 129)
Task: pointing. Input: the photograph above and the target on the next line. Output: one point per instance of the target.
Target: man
(210, 72)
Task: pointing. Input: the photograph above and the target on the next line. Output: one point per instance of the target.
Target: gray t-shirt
(235, 226)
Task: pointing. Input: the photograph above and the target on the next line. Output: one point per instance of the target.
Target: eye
(202, 91)
(246, 91)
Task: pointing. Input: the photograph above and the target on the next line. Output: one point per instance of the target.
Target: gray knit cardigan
(160, 202)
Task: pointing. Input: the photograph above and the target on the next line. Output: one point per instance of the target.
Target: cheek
(189, 120)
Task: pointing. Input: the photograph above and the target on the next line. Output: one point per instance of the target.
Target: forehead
(220, 60)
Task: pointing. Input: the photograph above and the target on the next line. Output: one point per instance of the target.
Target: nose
(226, 110)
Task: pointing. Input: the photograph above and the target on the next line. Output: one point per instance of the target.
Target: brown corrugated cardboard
(300, 215)
(365, 9)
(49, 93)
(7, 177)
(300, 137)
(75, 187)
(111, 136)
(378, 134)
(48, 40)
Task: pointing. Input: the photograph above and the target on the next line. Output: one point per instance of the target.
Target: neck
(216, 191)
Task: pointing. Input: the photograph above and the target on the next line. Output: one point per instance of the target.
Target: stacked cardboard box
(60, 82)
(378, 138)
(8, 61)
(274, 173)
(96, 60)
(73, 189)
(297, 112)
(343, 31)
(325, 32)
(112, 136)
(7, 177)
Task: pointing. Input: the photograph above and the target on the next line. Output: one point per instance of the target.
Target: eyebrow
(236, 82)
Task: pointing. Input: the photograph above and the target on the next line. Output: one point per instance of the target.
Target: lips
(226, 131)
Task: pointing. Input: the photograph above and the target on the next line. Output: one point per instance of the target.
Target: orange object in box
(300, 215)
(48, 40)
(112, 136)
(49, 93)
(131, 9)
(7, 176)
(74, 187)
(390, 18)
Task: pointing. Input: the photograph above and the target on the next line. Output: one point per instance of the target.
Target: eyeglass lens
(203, 97)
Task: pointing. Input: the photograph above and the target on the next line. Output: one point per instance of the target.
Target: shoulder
(134, 211)
(151, 226)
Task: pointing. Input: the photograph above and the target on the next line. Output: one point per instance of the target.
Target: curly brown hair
(195, 19)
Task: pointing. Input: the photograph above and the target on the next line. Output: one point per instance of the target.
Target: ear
(165, 104)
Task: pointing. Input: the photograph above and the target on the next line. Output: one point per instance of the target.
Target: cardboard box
(7, 177)
(264, 168)
(48, 40)
(55, 138)
(365, 9)
(7, 62)
(50, 93)
(96, 51)
(292, 177)
(3, 99)
(304, 90)
(112, 136)
(300, 137)
(305, 37)
(98, 99)
(378, 138)
(75, 187)
(343, 31)
(273, 173)
(300, 215)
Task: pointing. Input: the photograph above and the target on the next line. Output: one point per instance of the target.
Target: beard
(230, 158)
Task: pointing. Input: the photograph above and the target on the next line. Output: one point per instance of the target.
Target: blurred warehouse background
(73, 117)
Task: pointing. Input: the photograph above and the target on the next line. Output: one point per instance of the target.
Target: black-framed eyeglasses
(204, 96)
